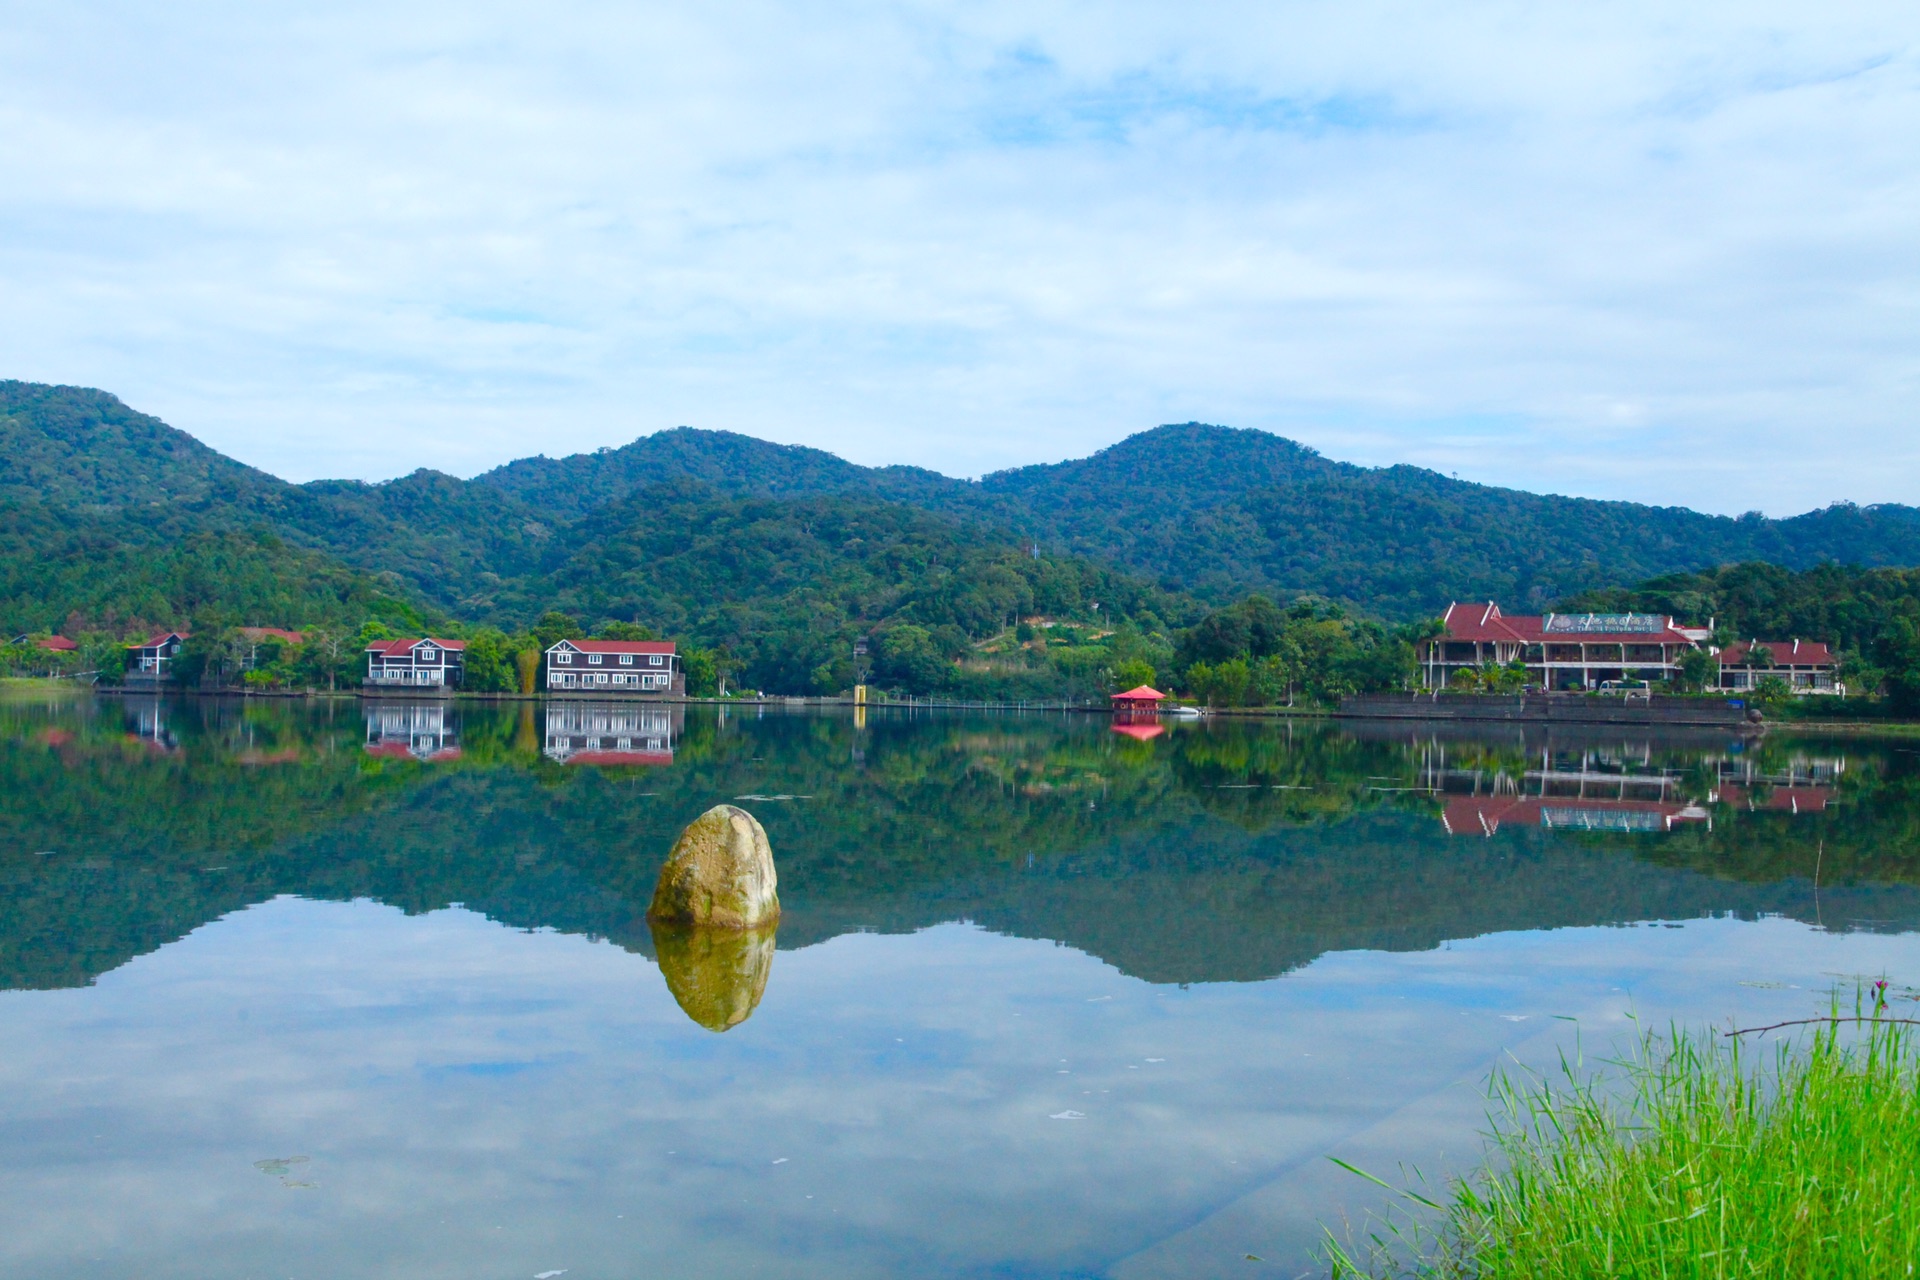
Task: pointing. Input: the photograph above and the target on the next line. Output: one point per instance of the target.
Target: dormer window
(594, 659)
(626, 659)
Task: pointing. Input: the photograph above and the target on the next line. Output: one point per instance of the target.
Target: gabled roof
(159, 638)
(394, 647)
(1485, 622)
(616, 646)
(59, 643)
(261, 633)
(1144, 693)
(1786, 653)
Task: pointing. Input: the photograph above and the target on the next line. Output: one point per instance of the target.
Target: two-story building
(1586, 650)
(1559, 650)
(610, 668)
(149, 662)
(1807, 666)
(422, 665)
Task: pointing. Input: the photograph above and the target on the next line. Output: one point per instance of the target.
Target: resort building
(1583, 651)
(604, 668)
(424, 664)
(1559, 650)
(148, 662)
(585, 733)
(1806, 665)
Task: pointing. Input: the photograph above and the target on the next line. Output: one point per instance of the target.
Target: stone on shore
(719, 874)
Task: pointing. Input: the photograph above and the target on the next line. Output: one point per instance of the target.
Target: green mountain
(728, 539)
(1219, 512)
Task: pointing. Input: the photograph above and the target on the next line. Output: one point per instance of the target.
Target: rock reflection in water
(717, 975)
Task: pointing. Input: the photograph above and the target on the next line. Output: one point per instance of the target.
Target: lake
(341, 989)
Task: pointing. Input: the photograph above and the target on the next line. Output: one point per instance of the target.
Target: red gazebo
(1145, 698)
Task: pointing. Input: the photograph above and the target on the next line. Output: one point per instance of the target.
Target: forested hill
(1202, 510)
(1218, 512)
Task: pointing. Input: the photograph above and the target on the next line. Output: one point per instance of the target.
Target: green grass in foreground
(1720, 1160)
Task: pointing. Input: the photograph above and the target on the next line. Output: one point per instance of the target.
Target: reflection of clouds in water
(489, 1100)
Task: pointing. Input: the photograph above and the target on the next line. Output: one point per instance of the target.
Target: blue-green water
(323, 991)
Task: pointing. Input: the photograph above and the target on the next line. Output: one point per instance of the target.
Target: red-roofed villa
(624, 668)
(419, 665)
(147, 661)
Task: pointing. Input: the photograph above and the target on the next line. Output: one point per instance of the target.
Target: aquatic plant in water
(1700, 1156)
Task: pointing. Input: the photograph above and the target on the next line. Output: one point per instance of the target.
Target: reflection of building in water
(1616, 788)
(1484, 815)
(419, 730)
(615, 733)
(147, 725)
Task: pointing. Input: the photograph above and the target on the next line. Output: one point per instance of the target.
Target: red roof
(1144, 693)
(1485, 622)
(1484, 815)
(60, 643)
(396, 750)
(261, 633)
(1786, 653)
(619, 646)
(159, 638)
(1790, 799)
(621, 757)
(392, 647)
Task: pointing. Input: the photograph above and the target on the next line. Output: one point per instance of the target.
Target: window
(426, 653)
(655, 660)
(594, 659)
(563, 657)
(626, 659)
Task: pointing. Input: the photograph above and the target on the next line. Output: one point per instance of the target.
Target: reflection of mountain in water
(1219, 853)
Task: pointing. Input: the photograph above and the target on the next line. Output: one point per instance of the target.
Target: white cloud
(1625, 251)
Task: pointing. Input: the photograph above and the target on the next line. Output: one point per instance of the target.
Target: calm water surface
(328, 991)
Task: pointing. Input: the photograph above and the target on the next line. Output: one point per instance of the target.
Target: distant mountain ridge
(1207, 510)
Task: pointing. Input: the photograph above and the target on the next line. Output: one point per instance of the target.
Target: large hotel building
(1567, 651)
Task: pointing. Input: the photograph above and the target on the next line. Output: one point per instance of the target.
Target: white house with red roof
(423, 664)
(615, 668)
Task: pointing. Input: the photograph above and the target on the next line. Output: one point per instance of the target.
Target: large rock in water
(719, 873)
(717, 976)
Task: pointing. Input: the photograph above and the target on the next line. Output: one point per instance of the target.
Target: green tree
(555, 626)
(1698, 669)
(489, 663)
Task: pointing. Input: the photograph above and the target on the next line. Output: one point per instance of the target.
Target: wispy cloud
(1626, 251)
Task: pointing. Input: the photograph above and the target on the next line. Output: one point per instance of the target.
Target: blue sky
(1626, 250)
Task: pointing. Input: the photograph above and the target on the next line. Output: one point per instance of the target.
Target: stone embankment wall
(1550, 708)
